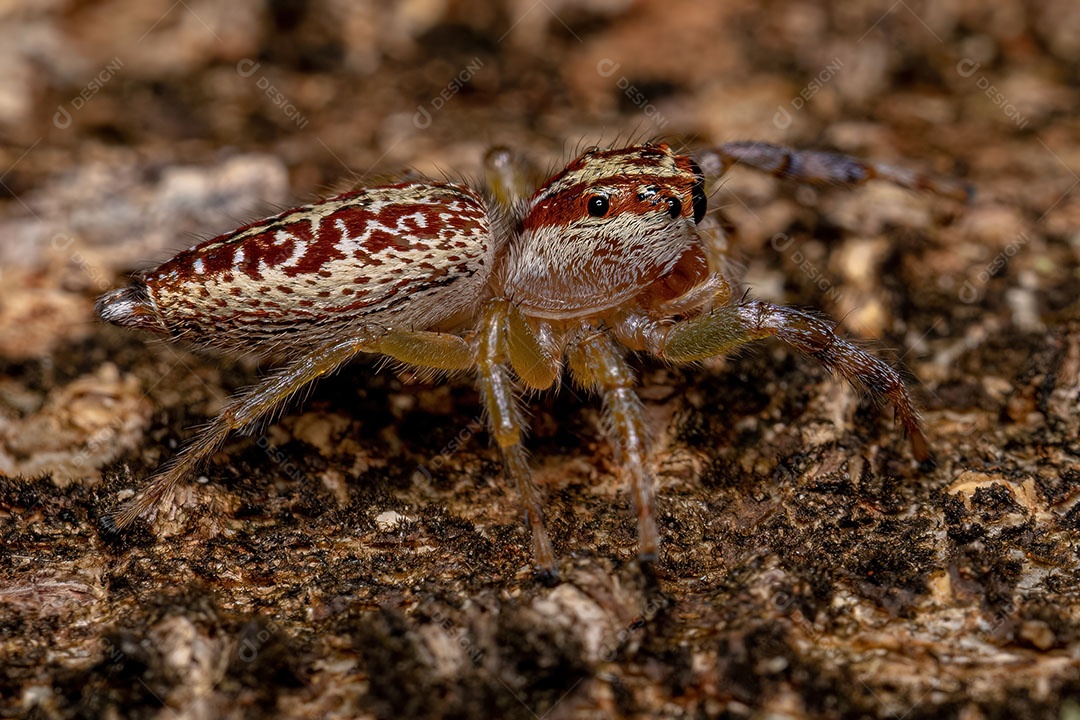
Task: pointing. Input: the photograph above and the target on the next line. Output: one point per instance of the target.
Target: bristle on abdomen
(130, 307)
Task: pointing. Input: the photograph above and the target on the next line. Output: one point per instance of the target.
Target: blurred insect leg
(245, 408)
(509, 175)
(731, 326)
(596, 362)
(825, 168)
(504, 418)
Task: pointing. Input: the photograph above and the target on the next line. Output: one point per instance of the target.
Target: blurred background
(808, 568)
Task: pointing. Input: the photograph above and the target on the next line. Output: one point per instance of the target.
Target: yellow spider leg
(426, 349)
(504, 418)
(243, 409)
(728, 327)
(597, 363)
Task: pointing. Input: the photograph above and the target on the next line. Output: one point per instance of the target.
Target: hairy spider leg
(244, 408)
(728, 327)
(812, 166)
(494, 357)
(426, 349)
(598, 364)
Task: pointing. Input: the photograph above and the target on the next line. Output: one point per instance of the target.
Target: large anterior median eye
(598, 206)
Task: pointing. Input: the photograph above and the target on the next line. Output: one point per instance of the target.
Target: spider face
(603, 230)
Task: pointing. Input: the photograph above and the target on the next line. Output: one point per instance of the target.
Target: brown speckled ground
(808, 568)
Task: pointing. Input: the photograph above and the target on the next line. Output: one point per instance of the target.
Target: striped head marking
(643, 181)
(607, 226)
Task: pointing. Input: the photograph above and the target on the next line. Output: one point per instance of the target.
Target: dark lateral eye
(674, 207)
(697, 192)
(701, 203)
(598, 206)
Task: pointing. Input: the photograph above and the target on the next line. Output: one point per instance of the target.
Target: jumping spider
(608, 256)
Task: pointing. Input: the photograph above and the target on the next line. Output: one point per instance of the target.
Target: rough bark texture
(360, 555)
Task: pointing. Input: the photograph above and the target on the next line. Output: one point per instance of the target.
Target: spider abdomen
(408, 254)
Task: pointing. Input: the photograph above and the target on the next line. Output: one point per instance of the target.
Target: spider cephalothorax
(609, 255)
(605, 228)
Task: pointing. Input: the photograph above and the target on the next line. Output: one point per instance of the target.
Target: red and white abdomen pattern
(413, 254)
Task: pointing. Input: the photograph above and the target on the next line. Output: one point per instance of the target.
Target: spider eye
(697, 192)
(674, 206)
(701, 203)
(598, 206)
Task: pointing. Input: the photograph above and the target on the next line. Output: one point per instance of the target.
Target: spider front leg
(823, 168)
(728, 327)
(504, 341)
(598, 364)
